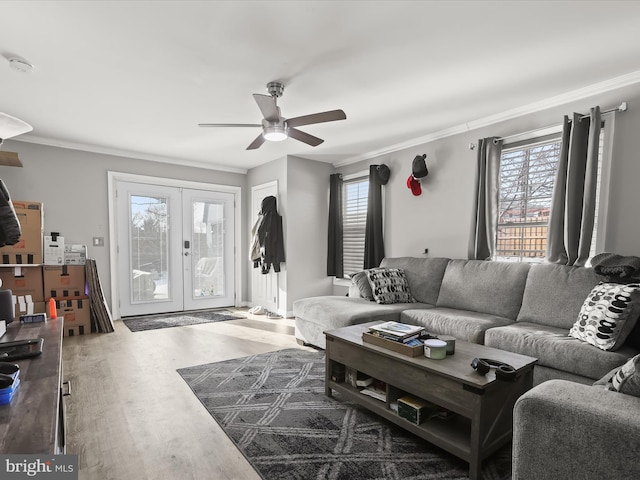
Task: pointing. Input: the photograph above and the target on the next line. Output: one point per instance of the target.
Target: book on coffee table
(396, 331)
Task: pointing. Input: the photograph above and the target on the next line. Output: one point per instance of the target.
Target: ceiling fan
(11, 127)
(275, 127)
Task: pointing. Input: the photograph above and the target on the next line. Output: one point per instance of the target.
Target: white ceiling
(135, 78)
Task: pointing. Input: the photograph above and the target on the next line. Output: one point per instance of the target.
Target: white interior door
(175, 248)
(264, 287)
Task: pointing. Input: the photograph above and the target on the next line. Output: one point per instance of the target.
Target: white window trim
(345, 282)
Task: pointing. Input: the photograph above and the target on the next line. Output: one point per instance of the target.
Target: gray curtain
(482, 239)
(373, 241)
(574, 193)
(335, 256)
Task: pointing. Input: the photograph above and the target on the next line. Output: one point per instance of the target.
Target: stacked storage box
(24, 276)
(34, 284)
(67, 285)
(28, 250)
(25, 283)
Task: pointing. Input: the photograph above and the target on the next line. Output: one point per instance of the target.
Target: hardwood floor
(131, 416)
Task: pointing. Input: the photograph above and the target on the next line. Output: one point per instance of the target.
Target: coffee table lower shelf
(482, 405)
(452, 434)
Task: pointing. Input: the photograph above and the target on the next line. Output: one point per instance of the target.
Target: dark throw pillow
(389, 285)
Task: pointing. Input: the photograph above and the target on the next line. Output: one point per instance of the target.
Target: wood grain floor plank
(130, 414)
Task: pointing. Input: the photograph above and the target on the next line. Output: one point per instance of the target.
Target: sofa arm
(564, 430)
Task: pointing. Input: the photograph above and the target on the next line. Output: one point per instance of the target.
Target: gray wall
(72, 185)
(308, 210)
(439, 219)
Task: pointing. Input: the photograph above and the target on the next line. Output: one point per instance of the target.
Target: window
(355, 191)
(527, 176)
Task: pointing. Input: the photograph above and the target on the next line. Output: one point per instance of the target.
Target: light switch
(98, 241)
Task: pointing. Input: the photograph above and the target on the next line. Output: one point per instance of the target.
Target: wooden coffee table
(483, 405)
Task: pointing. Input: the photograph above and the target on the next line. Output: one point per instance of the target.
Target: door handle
(186, 254)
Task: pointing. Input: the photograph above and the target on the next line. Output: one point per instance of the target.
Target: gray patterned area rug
(152, 322)
(274, 409)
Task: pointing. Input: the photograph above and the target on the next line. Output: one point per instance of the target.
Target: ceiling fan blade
(256, 143)
(268, 107)
(229, 124)
(305, 137)
(330, 116)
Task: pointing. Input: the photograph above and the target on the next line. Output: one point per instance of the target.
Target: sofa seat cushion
(335, 311)
(554, 294)
(462, 324)
(495, 288)
(554, 348)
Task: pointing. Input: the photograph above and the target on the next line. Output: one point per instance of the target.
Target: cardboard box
(65, 281)
(415, 409)
(24, 305)
(23, 281)
(393, 345)
(75, 254)
(76, 328)
(29, 248)
(53, 250)
(76, 314)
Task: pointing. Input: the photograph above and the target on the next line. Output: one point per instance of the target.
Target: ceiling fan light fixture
(275, 133)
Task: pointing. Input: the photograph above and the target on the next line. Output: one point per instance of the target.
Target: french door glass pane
(207, 249)
(149, 242)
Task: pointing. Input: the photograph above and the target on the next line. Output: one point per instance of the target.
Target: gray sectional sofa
(564, 427)
(518, 307)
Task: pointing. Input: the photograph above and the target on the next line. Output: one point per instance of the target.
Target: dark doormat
(273, 407)
(181, 319)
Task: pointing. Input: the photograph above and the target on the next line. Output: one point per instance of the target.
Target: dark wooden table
(483, 404)
(30, 423)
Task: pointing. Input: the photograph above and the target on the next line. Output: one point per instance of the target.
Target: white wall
(439, 219)
(72, 185)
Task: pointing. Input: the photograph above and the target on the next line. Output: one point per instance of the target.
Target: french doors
(175, 248)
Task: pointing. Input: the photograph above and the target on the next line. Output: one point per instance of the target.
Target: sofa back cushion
(554, 294)
(423, 274)
(484, 286)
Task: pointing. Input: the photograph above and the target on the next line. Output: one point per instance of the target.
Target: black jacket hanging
(267, 245)
(10, 230)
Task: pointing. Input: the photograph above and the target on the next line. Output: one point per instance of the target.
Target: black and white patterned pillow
(627, 378)
(608, 315)
(389, 285)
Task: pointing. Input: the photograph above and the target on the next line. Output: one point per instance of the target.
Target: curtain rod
(620, 108)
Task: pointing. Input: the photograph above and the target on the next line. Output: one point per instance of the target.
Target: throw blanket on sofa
(613, 265)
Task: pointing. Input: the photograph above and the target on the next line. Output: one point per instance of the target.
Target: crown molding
(123, 153)
(558, 100)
